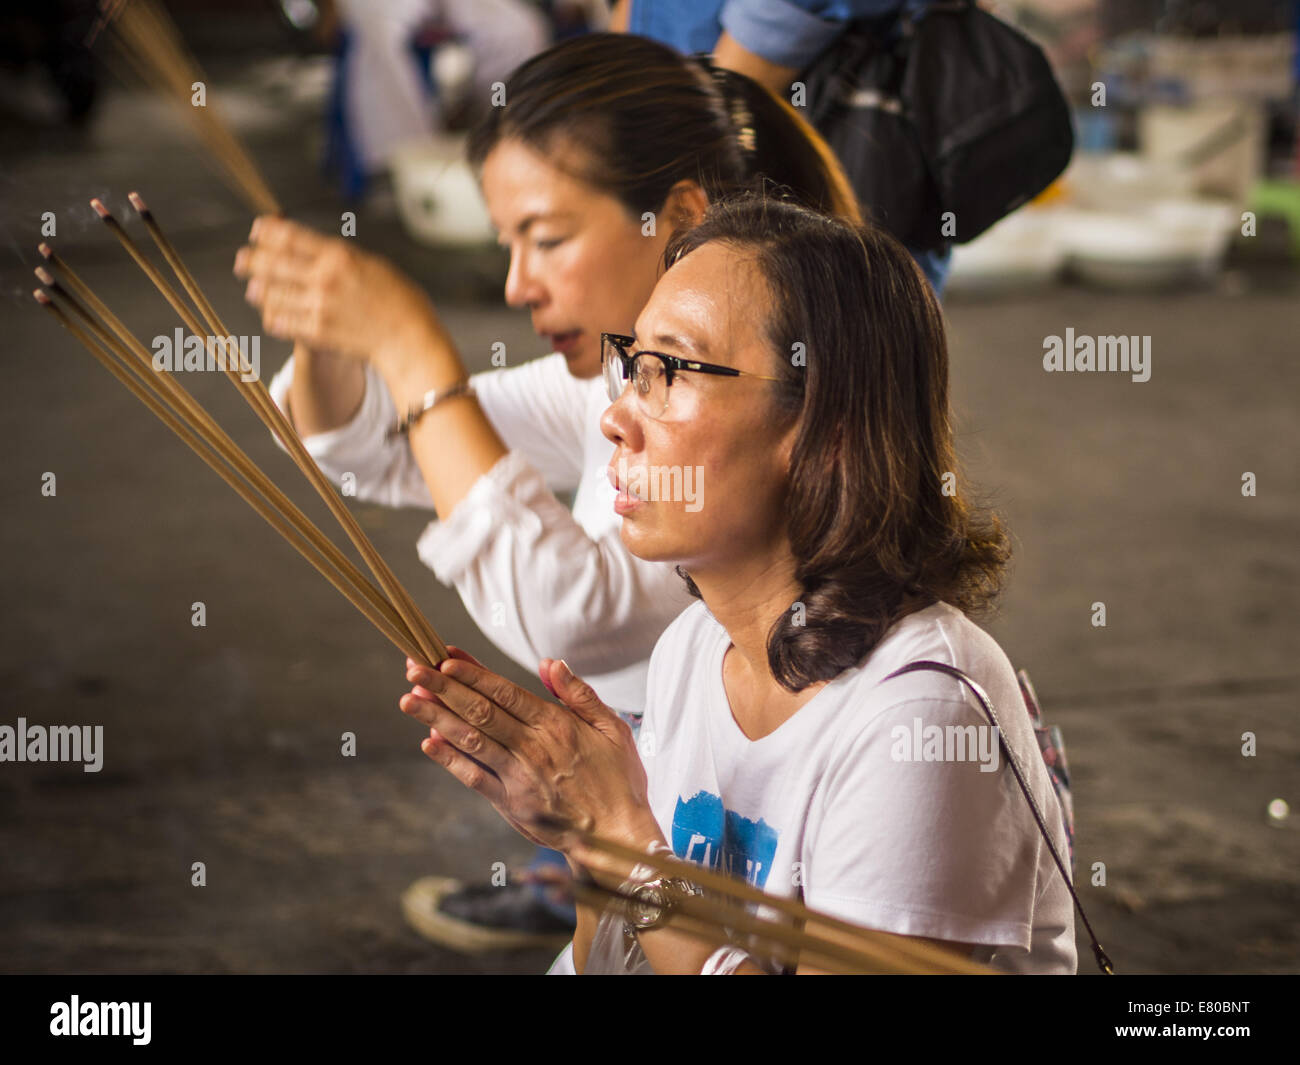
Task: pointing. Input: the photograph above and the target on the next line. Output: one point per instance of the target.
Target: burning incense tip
(137, 201)
(45, 250)
(42, 297)
(100, 209)
(46, 277)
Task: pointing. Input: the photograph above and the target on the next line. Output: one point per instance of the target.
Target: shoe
(481, 918)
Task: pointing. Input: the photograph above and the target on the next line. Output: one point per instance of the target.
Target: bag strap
(1103, 960)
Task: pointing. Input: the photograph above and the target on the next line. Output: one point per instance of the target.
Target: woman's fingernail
(254, 291)
(241, 258)
(568, 672)
(252, 233)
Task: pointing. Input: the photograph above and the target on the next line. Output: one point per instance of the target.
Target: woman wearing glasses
(606, 146)
(776, 745)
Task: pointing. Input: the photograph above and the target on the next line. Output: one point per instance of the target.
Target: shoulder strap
(1103, 960)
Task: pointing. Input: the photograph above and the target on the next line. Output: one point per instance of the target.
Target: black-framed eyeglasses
(651, 372)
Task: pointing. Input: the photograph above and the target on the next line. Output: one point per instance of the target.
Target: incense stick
(723, 925)
(189, 407)
(134, 355)
(150, 41)
(260, 400)
(598, 898)
(100, 345)
(279, 424)
(880, 946)
(255, 393)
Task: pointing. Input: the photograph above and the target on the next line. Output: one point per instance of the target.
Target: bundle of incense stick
(723, 917)
(389, 608)
(148, 40)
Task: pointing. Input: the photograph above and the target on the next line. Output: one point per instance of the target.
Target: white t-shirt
(842, 800)
(541, 581)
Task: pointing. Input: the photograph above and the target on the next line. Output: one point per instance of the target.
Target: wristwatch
(651, 903)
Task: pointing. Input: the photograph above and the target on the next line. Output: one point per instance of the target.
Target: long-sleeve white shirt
(541, 581)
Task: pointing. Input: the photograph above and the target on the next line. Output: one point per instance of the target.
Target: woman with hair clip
(776, 744)
(607, 145)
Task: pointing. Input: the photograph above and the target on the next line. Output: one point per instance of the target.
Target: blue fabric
(545, 859)
(793, 34)
(563, 909)
(934, 263)
(789, 33)
(341, 159)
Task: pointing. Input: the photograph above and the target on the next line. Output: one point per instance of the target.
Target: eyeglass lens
(649, 379)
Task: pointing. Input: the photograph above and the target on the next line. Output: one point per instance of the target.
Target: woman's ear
(785, 447)
(685, 205)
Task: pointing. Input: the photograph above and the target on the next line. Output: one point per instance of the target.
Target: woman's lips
(625, 502)
(564, 343)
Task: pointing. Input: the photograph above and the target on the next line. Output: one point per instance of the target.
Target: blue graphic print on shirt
(706, 833)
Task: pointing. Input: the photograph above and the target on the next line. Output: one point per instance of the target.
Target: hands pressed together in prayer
(573, 762)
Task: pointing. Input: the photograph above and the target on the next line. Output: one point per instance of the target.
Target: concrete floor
(222, 744)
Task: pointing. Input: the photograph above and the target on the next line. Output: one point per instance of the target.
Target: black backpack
(950, 111)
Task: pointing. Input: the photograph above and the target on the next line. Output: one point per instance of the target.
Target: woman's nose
(522, 289)
(621, 422)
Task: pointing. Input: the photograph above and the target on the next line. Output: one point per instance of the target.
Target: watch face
(651, 903)
(648, 905)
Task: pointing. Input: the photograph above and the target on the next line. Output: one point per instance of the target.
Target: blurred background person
(771, 41)
(387, 92)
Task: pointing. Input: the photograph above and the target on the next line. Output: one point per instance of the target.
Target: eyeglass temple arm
(724, 371)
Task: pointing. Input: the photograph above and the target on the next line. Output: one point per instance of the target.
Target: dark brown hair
(642, 118)
(873, 533)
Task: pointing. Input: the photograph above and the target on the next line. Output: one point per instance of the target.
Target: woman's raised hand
(327, 293)
(575, 761)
